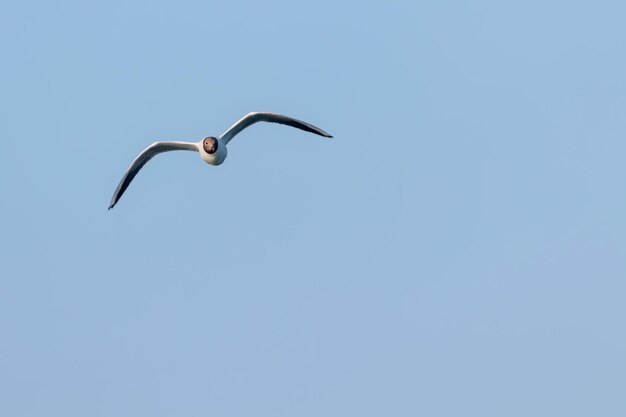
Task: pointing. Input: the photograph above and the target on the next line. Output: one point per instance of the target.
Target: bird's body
(212, 150)
(216, 158)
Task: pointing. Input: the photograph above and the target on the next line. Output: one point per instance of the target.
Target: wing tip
(322, 132)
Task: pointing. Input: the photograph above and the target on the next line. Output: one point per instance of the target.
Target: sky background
(457, 250)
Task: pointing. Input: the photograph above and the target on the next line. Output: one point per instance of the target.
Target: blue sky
(457, 249)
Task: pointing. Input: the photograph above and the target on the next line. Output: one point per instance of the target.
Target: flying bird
(212, 149)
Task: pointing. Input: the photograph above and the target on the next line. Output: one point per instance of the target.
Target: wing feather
(252, 118)
(146, 155)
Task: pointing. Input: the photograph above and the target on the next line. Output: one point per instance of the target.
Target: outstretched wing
(252, 118)
(146, 155)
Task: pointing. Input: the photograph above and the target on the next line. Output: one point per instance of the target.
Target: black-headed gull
(212, 150)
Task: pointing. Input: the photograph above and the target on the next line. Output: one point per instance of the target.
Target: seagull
(212, 149)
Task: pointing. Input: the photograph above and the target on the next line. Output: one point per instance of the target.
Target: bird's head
(209, 144)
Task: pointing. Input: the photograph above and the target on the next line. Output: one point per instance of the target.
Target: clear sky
(457, 250)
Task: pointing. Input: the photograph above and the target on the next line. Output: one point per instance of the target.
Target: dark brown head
(210, 145)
